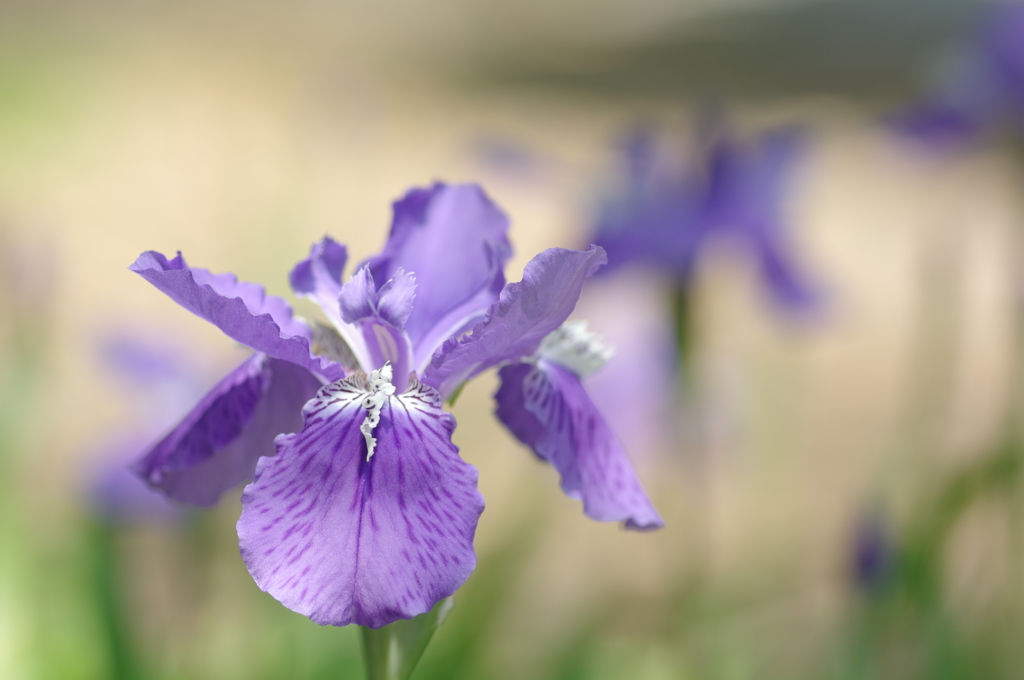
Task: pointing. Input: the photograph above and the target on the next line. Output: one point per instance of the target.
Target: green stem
(108, 599)
(682, 322)
(392, 652)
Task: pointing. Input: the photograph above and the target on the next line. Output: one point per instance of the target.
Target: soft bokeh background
(842, 496)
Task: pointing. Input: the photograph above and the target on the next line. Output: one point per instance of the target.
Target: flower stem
(109, 602)
(682, 312)
(392, 651)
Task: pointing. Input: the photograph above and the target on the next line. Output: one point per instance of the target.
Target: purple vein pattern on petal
(242, 310)
(217, 444)
(453, 239)
(514, 326)
(345, 540)
(546, 408)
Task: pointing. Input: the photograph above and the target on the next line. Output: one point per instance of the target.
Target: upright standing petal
(514, 326)
(396, 298)
(546, 408)
(358, 298)
(242, 310)
(217, 444)
(345, 539)
(378, 316)
(453, 239)
(319, 275)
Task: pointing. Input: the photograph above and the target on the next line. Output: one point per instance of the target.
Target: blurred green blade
(392, 651)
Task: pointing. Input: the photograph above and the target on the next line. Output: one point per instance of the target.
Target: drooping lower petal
(345, 539)
(525, 313)
(453, 238)
(217, 444)
(546, 407)
(242, 310)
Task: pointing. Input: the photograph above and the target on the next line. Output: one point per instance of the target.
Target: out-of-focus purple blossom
(118, 496)
(979, 88)
(161, 384)
(637, 391)
(365, 513)
(141, 363)
(873, 558)
(666, 212)
(509, 157)
(937, 123)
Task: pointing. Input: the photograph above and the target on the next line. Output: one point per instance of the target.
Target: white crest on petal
(380, 389)
(574, 347)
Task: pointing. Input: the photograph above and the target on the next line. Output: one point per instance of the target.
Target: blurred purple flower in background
(637, 392)
(511, 158)
(161, 383)
(654, 227)
(665, 213)
(118, 496)
(367, 514)
(979, 87)
(874, 556)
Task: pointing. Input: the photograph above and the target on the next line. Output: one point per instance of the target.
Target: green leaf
(392, 651)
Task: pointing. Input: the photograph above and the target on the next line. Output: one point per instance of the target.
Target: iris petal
(343, 539)
(242, 310)
(377, 318)
(358, 298)
(453, 239)
(396, 297)
(748, 188)
(546, 408)
(319, 275)
(514, 326)
(217, 444)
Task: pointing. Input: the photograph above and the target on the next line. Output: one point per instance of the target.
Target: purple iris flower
(365, 513)
(980, 87)
(160, 381)
(665, 214)
(637, 391)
